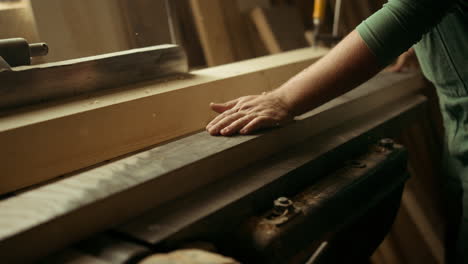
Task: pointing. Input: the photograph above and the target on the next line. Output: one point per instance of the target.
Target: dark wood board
(34, 84)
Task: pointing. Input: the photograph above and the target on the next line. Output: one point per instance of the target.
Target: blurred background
(216, 32)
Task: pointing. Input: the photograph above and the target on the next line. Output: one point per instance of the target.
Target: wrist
(281, 98)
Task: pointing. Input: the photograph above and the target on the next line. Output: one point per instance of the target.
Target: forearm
(346, 66)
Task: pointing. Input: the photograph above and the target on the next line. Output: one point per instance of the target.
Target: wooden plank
(280, 28)
(90, 129)
(215, 39)
(125, 188)
(238, 31)
(80, 28)
(147, 22)
(30, 85)
(246, 6)
(223, 30)
(265, 180)
(189, 38)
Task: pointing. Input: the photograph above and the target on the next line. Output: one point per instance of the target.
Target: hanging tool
(318, 16)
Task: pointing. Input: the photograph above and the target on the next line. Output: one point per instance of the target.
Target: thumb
(221, 107)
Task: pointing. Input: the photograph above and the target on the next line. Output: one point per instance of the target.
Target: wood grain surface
(80, 28)
(280, 28)
(214, 36)
(147, 22)
(112, 193)
(49, 140)
(25, 86)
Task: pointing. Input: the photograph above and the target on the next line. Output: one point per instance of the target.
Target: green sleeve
(399, 24)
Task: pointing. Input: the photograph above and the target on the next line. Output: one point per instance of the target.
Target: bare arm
(382, 37)
(346, 66)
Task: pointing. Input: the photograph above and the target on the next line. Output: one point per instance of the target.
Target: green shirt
(438, 29)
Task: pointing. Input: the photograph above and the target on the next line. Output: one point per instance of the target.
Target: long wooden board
(46, 82)
(121, 189)
(47, 141)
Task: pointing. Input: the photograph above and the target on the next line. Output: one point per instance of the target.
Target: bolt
(282, 204)
(387, 143)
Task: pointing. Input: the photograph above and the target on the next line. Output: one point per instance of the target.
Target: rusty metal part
(283, 211)
(329, 205)
(387, 143)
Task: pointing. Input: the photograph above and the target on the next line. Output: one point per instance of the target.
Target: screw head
(282, 204)
(387, 143)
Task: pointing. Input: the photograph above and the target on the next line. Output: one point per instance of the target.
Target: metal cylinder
(15, 51)
(18, 52)
(38, 49)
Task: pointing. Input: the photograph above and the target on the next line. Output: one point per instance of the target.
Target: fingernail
(243, 131)
(225, 130)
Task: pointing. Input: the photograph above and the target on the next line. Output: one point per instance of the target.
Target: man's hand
(248, 114)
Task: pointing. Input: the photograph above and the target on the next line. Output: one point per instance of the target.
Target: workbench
(164, 191)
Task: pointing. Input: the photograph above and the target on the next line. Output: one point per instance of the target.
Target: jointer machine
(105, 160)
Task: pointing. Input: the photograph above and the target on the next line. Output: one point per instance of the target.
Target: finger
(235, 126)
(221, 107)
(258, 123)
(220, 117)
(226, 121)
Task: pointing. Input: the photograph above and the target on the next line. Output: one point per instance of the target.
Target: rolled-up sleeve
(399, 24)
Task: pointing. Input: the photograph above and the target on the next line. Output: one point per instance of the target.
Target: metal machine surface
(344, 201)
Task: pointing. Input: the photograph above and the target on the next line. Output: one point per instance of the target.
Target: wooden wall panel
(224, 31)
(216, 43)
(147, 22)
(189, 37)
(280, 28)
(80, 28)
